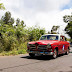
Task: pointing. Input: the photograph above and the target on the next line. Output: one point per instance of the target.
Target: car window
(43, 38)
(62, 38)
(52, 37)
(49, 37)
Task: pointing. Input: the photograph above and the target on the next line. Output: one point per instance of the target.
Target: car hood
(44, 42)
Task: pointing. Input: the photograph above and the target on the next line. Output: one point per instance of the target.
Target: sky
(44, 13)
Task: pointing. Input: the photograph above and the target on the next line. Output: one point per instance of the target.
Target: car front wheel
(31, 54)
(55, 54)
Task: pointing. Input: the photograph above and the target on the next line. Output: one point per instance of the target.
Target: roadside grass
(21, 49)
(13, 52)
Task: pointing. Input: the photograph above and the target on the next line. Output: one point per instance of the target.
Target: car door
(61, 45)
(64, 48)
(65, 44)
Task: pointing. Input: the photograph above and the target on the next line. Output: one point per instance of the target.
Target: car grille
(42, 47)
(32, 46)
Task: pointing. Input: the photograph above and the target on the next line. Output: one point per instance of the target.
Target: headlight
(48, 45)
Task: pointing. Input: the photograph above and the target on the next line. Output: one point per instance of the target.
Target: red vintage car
(49, 44)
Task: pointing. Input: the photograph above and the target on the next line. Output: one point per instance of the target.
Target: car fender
(54, 47)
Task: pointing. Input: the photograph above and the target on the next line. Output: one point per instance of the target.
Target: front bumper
(42, 53)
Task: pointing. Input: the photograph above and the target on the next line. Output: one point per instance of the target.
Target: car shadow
(38, 57)
(42, 57)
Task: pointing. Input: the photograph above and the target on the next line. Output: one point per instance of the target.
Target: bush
(22, 51)
(14, 38)
(35, 33)
(1, 47)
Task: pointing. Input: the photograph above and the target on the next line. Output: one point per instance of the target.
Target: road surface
(23, 63)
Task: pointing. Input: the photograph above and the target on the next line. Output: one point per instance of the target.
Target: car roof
(54, 34)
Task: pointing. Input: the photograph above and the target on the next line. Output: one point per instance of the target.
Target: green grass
(13, 52)
(20, 49)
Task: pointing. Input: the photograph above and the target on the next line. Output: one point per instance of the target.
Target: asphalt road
(23, 63)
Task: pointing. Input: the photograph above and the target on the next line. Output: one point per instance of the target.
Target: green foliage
(14, 36)
(54, 30)
(68, 19)
(7, 19)
(35, 33)
(2, 6)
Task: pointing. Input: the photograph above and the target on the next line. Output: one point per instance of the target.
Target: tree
(14, 35)
(6, 32)
(20, 31)
(17, 21)
(35, 33)
(68, 19)
(2, 6)
(21, 23)
(7, 19)
(54, 29)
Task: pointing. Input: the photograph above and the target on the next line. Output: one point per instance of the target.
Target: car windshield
(49, 37)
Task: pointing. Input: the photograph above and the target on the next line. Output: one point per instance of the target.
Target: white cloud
(45, 13)
(45, 5)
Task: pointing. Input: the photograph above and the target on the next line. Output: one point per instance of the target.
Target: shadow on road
(38, 57)
(43, 57)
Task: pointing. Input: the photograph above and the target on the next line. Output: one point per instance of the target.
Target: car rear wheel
(55, 54)
(31, 54)
(67, 52)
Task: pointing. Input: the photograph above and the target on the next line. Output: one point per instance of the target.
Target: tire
(55, 54)
(67, 52)
(31, 54)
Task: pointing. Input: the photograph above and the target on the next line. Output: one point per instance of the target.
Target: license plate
(41, 52)
(34, 52)
(46, 52)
